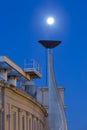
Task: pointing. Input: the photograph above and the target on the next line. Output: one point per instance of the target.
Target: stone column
(31, 116)
(1, 121)
(11, 116)
(30, 122)
(36, 124)
(19, 116)
(17, 120)
(39, 124)
(27, 120)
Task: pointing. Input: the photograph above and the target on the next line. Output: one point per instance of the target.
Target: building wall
(42, 95)
(21, 111)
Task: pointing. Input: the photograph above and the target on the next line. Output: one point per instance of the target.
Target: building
(22, 106)
(42, 96)
(18, 109)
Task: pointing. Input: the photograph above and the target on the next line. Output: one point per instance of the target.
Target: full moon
(50, 20)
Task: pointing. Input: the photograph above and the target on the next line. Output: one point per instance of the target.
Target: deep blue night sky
(22, 24)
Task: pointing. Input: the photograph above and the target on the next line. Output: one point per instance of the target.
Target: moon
(50, 20)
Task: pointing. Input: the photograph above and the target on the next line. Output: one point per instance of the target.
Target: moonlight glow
(50, 21)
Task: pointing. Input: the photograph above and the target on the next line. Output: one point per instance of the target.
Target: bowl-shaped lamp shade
(49, 43)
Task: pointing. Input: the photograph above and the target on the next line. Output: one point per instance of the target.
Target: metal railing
(32, 65)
